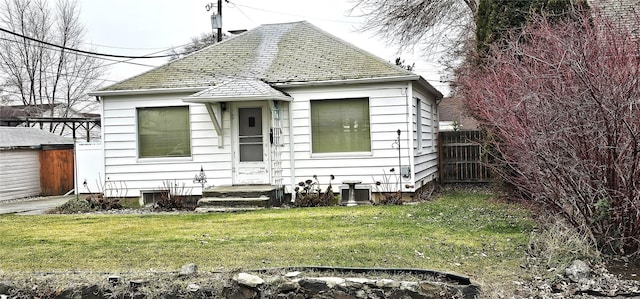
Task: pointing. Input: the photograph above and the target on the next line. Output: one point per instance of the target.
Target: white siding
(123, 168)
(391, 107)
(19, 174)
(426, 157)
(388, 113)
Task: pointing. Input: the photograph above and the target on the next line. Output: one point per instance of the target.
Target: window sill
(164, 159)
(342, 155)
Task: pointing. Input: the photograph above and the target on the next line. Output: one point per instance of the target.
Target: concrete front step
(229, 195)
(232, 202)
(239, 191)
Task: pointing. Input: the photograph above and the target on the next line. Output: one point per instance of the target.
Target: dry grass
(463, 233)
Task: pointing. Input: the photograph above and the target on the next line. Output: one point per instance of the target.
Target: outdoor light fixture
(200, 178)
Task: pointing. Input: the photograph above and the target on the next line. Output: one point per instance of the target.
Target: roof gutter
(235, 99)
(430, 88)
(98, 93)
(412, 77)
(347, 81)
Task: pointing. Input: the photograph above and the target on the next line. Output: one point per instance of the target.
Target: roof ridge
(283, 23)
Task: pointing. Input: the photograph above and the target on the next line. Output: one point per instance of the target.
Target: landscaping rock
(358, 280)
(313, 285)
(332, 281)
(288, 286)
(5, 287)
(577, 271)
(136, 283)
(249, 280)
(361, 294)
(577, 282)
(292, 274)
(83, 292)
(409, 286)
(387, 283)
(248, 293)
(114, 279)
(192, 288)
(188, 270)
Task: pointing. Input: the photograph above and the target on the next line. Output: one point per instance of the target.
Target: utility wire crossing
(83, 51)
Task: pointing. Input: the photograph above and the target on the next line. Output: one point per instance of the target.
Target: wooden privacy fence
(56, 170)
(462, 159)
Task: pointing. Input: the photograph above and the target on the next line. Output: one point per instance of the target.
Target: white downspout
(410, 151)
(292, 159)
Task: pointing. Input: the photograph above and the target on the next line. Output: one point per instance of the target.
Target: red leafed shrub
(561, 104)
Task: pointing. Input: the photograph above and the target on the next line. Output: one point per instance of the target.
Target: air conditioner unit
(362, 193)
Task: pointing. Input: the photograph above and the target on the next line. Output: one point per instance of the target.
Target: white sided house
(273, 106)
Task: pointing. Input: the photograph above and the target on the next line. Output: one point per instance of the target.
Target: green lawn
(468, 234)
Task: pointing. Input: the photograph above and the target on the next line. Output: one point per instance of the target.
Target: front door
(251, 146)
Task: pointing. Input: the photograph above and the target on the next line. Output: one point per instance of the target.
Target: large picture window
(164, 132)
(340, 125)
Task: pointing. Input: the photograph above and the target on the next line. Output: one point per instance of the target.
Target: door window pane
(250, 137)
(340, 125)
(164, 132)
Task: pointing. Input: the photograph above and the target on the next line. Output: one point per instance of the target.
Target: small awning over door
(234, 90)
(240, 89)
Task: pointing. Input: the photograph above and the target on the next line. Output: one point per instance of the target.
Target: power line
(294, 15)
(183, 70)
(233, 5)
(82, 51)
(97, 57)
(131, 48)
(23, 68)
(128, 61)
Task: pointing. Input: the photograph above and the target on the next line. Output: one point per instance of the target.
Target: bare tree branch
(433, 25)
(561, 102)
(38, 74)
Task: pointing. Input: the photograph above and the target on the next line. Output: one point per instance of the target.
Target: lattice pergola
(73, 123)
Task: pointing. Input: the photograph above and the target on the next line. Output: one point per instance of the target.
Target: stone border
(295, 285)
(285, 283)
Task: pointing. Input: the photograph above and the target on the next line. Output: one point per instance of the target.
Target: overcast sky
(142, 27)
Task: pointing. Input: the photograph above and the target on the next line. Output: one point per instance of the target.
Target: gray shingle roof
(11, 137)
(275, 53)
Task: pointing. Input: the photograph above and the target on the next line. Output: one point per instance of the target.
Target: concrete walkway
(32, 206)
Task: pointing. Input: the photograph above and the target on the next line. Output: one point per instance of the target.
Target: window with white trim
(340, 125)
(164, 132)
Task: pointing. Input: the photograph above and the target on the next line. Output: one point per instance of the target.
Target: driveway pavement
(32, 206)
